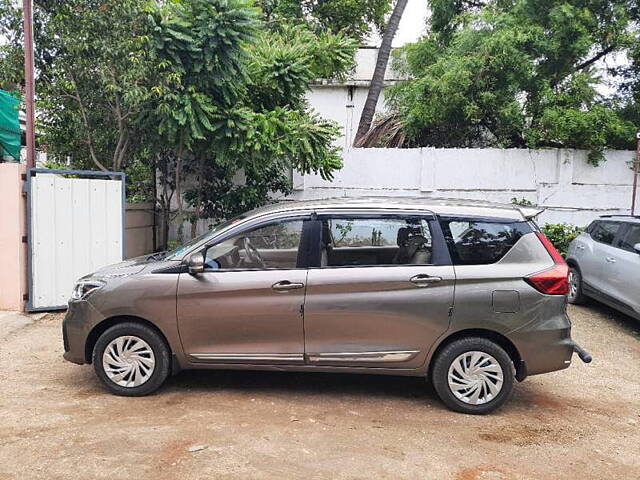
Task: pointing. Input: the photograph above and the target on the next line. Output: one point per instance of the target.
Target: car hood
(128, 268)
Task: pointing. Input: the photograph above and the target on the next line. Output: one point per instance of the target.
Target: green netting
(10, 133)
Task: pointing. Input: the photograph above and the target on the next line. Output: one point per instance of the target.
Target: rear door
(382, 293)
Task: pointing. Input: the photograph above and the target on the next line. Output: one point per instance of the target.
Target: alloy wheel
(574, 281)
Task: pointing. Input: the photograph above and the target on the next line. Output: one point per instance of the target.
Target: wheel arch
(498, 338)
(107, 323)
(573, 263)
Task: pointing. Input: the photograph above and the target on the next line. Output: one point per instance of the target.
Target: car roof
(439, 206)
(621, 218)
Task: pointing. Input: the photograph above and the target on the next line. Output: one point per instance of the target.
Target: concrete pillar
(13, 227)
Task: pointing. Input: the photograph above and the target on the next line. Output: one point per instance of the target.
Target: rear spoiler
(531, 212)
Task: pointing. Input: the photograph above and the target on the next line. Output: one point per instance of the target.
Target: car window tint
(474, 242)
(631, 238)
(270, 246)
(605, 232)
(375, 241)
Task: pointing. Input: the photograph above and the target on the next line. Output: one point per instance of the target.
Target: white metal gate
(76, 226)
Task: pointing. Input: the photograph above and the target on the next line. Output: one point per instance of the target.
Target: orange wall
(13, 253)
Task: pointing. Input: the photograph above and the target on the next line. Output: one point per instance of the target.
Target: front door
(625, 269)
(382, 293)
(247, 305)
(597, 256)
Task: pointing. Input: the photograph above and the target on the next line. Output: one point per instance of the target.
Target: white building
(343, 100)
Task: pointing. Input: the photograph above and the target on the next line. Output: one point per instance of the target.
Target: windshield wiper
(157, 256)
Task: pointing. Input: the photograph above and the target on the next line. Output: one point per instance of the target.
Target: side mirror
(636, 247)
(195, 263)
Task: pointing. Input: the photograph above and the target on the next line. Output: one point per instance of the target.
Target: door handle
(580, 247)
(423, 280)
(610, 260)
(286, 285)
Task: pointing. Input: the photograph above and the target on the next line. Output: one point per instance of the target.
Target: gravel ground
(58, 423)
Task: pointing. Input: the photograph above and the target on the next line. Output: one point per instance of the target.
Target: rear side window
(604, 232)
(481, 242)
(631, 238)
(374, 241)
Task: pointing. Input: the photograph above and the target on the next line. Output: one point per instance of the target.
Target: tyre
(575, 294)
(473, 375)
(131, 359)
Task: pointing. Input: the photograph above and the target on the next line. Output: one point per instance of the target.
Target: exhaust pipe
(582, 353)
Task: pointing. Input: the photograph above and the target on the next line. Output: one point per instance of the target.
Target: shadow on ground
(304, 383)
(627, 324)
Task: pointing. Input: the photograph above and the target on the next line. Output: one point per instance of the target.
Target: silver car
(604, 264)
(467, 295)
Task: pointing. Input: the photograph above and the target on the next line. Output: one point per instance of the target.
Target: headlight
(83, 289)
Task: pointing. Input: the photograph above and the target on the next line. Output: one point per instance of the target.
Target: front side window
(269, 246)
(478, 242)
(360, 241)
(605, 232)
(631, 238)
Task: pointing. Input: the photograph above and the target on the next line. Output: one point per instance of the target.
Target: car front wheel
(473, 375)
(131, 359)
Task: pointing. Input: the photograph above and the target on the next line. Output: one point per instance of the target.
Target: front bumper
(77, 325)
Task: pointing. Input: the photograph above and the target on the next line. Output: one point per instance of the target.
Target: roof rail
(620, 215)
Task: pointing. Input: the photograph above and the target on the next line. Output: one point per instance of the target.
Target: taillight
(553, 281)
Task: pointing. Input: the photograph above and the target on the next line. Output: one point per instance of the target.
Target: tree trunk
(166, 220)
(377, 82)
(178, 177)
(198, 206)
(154, 179)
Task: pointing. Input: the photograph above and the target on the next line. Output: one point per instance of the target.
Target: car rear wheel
(131, 359)
(575, 294)
(473, 375)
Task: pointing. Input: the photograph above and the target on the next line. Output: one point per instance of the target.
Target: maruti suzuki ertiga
(468, 295)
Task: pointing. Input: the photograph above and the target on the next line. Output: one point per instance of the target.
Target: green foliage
(139, 181)
(355, 18)
(199, 49)
(201, 89)
(523, 202)
(516, 73)
(92, 65)
(284, 62)
(230, 100)
(56, 165)
(561, 235)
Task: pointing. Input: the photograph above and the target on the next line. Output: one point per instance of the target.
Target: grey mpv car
(468, 295)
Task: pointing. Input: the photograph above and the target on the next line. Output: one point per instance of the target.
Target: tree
(517, 73)
(377, 81)
(92, 68)
(229, 103)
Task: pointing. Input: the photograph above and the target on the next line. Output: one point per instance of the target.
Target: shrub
(561, 235)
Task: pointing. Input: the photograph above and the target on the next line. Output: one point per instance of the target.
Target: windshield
(195, 240)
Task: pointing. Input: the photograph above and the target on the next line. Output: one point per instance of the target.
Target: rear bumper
(77, 324)
(545, 346)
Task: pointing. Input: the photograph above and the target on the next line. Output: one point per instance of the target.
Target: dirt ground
(58, 423)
